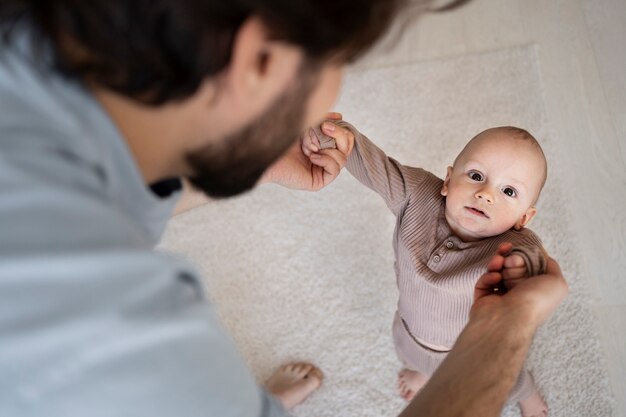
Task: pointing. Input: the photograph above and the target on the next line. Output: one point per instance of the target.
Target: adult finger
(497, 262)
(553, 268)
(338, 157)
(542, 293)
(504, 249)
(331, 161)
(486, 283)
(334, 115)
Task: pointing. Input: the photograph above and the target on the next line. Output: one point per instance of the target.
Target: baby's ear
(526, 218)
(444, 187)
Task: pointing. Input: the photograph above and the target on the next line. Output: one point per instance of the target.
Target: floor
(583, 65)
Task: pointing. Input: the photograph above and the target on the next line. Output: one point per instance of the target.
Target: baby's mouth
(477, 212)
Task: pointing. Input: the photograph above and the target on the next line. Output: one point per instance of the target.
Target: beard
(235, 163)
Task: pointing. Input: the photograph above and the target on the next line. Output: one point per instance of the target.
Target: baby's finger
(314, 140)
(344, 139)
(334, 115)
(310, 142)
(514, 261)
(308, 149)
(513, 273)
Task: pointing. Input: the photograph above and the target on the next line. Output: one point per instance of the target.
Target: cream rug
(299, 275)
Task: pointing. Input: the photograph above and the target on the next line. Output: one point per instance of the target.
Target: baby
(446, 232)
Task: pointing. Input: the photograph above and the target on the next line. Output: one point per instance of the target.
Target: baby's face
(493, 185)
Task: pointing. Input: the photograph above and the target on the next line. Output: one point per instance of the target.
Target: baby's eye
(476, 176)
(509, 191)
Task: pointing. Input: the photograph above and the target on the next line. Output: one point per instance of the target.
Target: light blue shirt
(93, 322)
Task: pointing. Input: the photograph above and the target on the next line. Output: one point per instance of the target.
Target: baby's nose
(485, 195)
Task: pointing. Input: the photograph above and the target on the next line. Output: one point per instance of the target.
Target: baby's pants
(425, 361)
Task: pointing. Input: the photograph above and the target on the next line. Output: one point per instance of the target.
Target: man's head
(234, 164)
(494, 183)
(160, 50)
(240, 78)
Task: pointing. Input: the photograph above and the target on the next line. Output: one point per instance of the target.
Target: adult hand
(535, 298)
(299, 171)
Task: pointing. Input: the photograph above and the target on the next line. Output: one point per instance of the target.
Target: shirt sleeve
(393, 181)
(95, 323)
(531, 250)
(117, 334)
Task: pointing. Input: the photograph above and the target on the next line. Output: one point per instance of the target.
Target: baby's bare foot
(533, 406)
(410, 382)
(294, 382)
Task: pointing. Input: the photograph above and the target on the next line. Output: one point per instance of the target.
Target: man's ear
(526, 218)
(446, 182)
(259, 66)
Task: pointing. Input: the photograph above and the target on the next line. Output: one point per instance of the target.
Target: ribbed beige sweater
(436, 271)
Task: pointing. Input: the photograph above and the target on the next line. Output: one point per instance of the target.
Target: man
(103, 106)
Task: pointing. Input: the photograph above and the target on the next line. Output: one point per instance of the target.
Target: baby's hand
(514, 267)
(309, 142)
(313, 139)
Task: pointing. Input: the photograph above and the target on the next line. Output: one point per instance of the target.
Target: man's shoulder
(43, 110)
(64, 155)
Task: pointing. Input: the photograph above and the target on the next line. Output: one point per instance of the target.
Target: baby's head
(494, 183)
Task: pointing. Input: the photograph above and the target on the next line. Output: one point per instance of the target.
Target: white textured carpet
(309, 275)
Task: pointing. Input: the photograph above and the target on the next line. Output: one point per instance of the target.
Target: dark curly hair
(156, 51)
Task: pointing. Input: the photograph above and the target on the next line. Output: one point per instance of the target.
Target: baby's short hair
(523, 134)
(519, 134)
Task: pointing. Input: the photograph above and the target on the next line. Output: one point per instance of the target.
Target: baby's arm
(369, 165)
